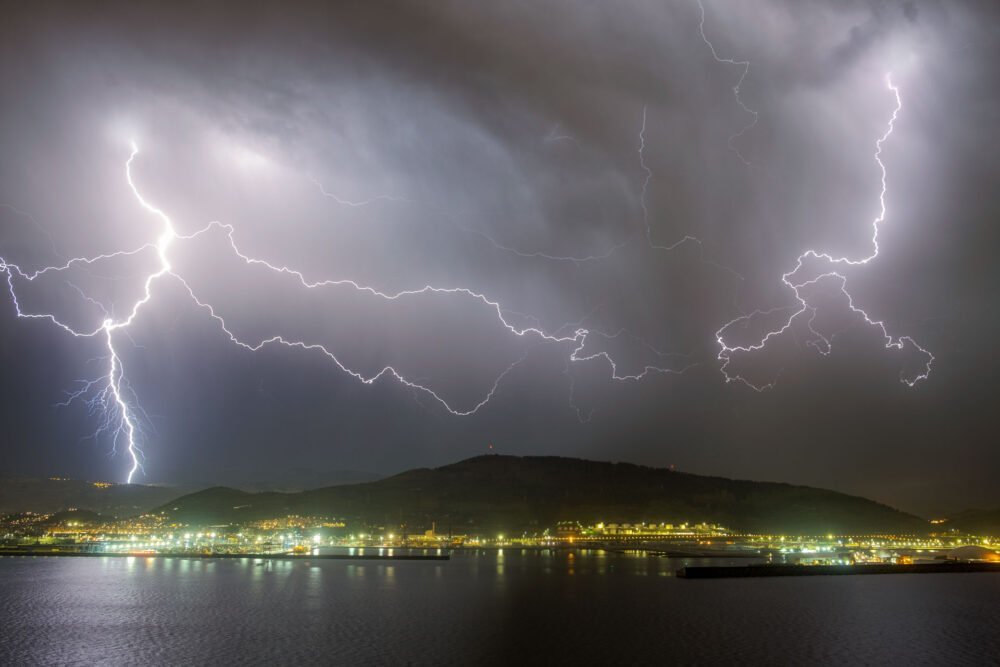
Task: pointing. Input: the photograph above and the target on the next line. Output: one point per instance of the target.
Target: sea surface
(481, 608)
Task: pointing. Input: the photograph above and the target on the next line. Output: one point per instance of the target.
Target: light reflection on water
(481, 607)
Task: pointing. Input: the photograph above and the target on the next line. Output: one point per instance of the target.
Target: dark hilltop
(54, 494)
(512, 494)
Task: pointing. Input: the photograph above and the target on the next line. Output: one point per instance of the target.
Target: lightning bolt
(687, 238)
(41, 228)
(580, 337)
(578, 355)
(107, 394)
(745, 64)
(799, 284)
(112, 397)
(492, 306)
(583, 335)
(554, 135)
(354, 203)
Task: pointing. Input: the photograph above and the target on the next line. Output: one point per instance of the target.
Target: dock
(213, 556)
(728, 572)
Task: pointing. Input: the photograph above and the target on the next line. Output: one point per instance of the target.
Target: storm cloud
(560, 169)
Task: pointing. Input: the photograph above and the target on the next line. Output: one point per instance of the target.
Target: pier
(728, 572)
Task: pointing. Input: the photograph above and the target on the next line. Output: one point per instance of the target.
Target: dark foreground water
(487, 608)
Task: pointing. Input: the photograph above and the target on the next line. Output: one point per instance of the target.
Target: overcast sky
(582, 181)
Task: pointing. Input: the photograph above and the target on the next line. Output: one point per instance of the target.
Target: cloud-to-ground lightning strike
(111, 398)
(107, 393)
(796, 283)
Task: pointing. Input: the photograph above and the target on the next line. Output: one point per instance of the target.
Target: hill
(294, 480)
(976, 522)
(493, 494)
(44, 495)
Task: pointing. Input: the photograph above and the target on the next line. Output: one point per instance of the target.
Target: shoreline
(731, 572)
(256, 556)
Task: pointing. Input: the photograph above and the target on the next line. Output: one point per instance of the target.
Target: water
(486, 608)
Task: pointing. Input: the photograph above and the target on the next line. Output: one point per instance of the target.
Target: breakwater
(709, 572)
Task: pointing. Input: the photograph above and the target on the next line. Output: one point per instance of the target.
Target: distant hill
(32, 494)
(55, 494)
(294, 480)
(976, 522)
(491, 494)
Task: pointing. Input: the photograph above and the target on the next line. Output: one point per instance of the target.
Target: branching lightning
(112, 401)
(745, 64)
(352, 203)
(110, 396)
(107, 395)
(687, 238)
(797, 283)
(493, 306)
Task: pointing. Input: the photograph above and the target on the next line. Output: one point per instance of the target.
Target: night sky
(589, 171)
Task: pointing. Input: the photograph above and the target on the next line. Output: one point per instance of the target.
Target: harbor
(360, 554)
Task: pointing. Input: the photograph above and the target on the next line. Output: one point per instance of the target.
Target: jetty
(728, 572)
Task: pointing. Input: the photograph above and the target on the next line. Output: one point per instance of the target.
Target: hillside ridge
(513, 493)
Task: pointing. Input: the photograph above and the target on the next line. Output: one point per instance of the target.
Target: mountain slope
(32, 494)
(489, 494)
(976, 522)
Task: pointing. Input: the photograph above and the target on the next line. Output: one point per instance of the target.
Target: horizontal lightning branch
(111, 398)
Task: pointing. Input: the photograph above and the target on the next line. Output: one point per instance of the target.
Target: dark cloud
(496, 148)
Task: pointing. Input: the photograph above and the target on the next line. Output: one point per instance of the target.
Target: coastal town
(151, 535)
